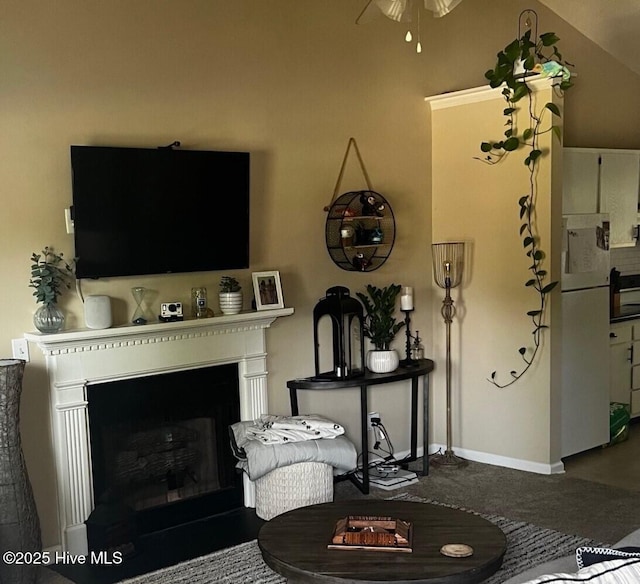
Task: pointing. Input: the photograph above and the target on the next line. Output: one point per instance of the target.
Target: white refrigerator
(585, 332)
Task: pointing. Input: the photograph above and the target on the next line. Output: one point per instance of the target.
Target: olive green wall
(288, 80)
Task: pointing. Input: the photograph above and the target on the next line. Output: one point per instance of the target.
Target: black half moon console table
(422, 369)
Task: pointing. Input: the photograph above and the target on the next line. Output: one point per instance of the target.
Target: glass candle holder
(406, 298)
(139, 315)
(199, 302)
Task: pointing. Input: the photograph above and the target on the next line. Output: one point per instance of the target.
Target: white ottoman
(293, 486)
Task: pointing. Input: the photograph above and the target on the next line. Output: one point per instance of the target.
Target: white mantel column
(73, 463)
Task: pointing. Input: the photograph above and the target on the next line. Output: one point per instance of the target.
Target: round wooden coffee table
(294, 544)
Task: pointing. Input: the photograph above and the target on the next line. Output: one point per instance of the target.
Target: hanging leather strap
(352, 142)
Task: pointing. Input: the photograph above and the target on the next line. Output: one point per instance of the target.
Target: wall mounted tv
(143, 211)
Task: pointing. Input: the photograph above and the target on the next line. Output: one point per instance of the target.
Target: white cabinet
(624, 364)
(603, 181)
(620, 355)
(619, 184)
(635, 368)
(580, 181)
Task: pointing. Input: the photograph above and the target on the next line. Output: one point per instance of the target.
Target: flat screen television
(140, 211)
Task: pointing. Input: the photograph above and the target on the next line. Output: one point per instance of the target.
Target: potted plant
(520, 59)
(230, 295)
(50, 274)
(380, 326)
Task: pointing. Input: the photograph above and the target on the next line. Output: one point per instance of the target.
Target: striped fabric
(626, 571)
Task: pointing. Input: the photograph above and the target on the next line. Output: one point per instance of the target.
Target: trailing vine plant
(541, 57)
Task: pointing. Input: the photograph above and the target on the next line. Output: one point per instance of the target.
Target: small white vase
(383, 361)
(230, 302)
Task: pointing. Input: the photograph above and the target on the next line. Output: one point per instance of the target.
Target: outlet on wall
(20, 349)
(371, 416)
(68, 221)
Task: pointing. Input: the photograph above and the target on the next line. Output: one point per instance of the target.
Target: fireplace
(160, 446)
(83, 364)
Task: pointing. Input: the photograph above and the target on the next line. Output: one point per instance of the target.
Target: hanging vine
(540, 57)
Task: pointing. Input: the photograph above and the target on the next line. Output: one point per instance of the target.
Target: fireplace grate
(152, 454)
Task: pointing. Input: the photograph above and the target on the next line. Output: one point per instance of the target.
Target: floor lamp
(448, 263)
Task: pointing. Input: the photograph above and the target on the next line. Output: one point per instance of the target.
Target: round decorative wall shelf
(360, 231)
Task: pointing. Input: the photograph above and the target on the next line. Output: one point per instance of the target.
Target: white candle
(406, 298)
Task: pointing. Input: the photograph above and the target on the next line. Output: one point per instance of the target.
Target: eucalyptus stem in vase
(50, 275)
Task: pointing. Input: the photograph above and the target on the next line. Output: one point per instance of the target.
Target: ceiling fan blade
(398, 10)
(366, 13)
(441, 7)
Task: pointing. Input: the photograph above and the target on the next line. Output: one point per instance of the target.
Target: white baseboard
(505, 461)
(494, 459)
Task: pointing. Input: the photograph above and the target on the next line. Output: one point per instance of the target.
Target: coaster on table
(456, 550)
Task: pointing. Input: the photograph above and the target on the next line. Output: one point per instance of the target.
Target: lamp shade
(448, 263)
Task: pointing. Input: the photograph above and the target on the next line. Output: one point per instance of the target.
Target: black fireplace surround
(160, 449)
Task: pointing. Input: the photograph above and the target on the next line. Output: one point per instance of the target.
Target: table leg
(364, 431)
(293, 399)
(414, 418)
(425, 426)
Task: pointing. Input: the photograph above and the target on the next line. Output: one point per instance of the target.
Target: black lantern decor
(347, 316)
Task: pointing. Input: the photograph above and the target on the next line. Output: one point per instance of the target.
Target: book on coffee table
(361, 532)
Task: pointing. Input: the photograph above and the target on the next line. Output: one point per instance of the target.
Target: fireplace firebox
(160, 445)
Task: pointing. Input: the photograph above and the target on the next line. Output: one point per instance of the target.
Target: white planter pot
(230, 302)
(383, 361)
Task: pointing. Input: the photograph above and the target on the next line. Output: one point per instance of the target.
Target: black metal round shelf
(360, 231)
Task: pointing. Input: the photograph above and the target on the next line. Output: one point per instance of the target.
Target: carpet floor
(598, 511)
(527, 546)
(600, 502)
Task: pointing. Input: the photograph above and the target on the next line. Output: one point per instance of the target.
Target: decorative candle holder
(409, 361)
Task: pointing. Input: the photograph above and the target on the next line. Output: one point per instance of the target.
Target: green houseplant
(380, 326)
(230, 295)
(521, 59)
(50, 275)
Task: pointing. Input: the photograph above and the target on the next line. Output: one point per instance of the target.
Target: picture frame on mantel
(267, 289)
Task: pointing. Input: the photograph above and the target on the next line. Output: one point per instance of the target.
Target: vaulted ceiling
(614, 25)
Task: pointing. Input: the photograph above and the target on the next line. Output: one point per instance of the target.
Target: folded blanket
(281, 429)
(257, 458)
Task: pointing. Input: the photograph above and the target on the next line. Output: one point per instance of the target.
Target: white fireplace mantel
(75, 359)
